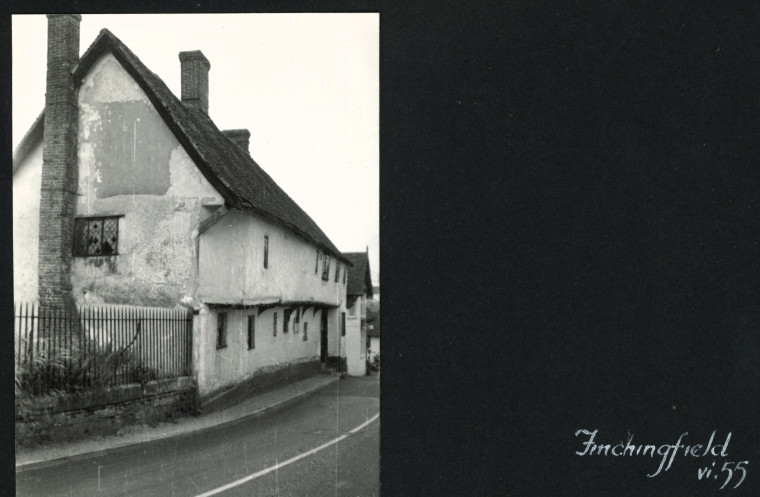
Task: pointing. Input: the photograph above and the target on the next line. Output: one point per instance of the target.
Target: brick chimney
(240, 136)
(59, 162)
(194, 72)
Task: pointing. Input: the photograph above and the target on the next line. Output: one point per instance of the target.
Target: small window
(305, 331)
(95, 236)
(274, 325)
(286, 320)
(326, 268)
(352, 310)
(221, 330)
(251, 332)
(266, 252)
(342, 324)
(345, 270)
(316, 265)
(297, 321)
(337, 272)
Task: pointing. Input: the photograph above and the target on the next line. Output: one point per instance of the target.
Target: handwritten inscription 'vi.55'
(668, 452)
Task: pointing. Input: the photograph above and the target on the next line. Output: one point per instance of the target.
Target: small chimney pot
(241, 137)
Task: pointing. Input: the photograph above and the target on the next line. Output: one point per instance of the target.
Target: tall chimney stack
(59, 162)
(241, 137)
(194, 74)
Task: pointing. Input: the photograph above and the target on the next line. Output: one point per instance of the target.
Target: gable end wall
(131, 165)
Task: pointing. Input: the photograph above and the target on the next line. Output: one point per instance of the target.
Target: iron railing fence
(106, 345)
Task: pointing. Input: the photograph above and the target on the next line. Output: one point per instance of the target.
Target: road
(269, 455)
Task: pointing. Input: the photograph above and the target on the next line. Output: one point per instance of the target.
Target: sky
(305, 85)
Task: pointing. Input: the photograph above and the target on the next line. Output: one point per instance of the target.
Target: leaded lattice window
(96, 236)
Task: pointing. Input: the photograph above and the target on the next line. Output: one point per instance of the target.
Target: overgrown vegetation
(58, 371)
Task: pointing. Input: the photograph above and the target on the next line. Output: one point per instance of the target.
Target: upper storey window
(326, 268)
(266, 252)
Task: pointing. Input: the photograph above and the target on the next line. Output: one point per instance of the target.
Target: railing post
(189, 343)
(30, 345)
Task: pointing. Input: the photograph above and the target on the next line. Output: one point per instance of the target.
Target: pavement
(53, 454)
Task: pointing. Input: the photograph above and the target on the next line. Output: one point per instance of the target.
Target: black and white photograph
(196, 254)
(565, 198)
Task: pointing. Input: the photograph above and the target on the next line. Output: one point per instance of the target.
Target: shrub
(55, 369)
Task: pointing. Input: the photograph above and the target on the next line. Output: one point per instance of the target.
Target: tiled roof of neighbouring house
(30, 139)
(359, 279)
(237, 177)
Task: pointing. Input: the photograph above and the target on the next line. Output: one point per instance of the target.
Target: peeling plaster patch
(182, 206)
(135, 147)
(88, 117)
(124, 291)
(86, 166)
(130, 141)
(99, 262)
(167, 257)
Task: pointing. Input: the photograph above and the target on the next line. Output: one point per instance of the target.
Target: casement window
(343, 324)
(274, 325)
(94, 236)
(305, 331)
(286, 320)
(221, 330)
(266, 252)
(337, 272)
(326, 268)
(251, 332)
(316, 264)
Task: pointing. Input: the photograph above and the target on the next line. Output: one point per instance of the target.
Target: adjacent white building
(358, 292)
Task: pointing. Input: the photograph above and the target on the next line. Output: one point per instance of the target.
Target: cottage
(358, 292)
(126, 194)
(373, 330)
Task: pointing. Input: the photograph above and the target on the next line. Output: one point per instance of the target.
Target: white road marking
(248, 478)
(365, 423)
